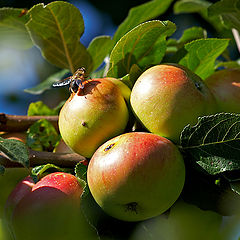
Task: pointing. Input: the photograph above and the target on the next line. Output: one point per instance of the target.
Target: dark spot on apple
(198, 86)
(109, 147)
(132, 207)
(84, 124)
(88, 87)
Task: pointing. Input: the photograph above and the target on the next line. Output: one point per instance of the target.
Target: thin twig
(237, 38)
(19, 123)
(36, 158)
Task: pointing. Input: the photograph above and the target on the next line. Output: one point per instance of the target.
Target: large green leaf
(15, 150)
(140, 14)
(144, 45)
(214, 142)
(12, 28)
(56, 29)
(229, 10)
(99, 48)
(47, 83)
(202, 55)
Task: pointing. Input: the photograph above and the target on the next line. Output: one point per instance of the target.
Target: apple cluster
(132, 175)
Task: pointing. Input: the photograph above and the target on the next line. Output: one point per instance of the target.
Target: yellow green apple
(92, 115)
(167, 97)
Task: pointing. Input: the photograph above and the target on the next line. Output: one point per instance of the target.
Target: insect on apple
(74, 81)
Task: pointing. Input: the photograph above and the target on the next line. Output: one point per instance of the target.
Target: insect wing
(62, 83)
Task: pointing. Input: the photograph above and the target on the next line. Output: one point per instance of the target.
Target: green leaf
(47, 84)
(140, 14)
(200, 7)
(190, 6)
(81, 174)
(15, 150)
(202, 55)
(99, 48)
(2, 170)
(175, 48)
(39, 170)
(229, 64)
(191, 34)
(144, 45)
(132, 76)
(12, 28)
(42, 136)
(40, 109)
(229, 10)
(56, 29)
(214, 142)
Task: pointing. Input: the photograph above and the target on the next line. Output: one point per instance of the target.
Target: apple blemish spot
(109, 147)
(131, 207)
(84, 124)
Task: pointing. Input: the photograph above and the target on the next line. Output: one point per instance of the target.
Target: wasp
(73, 81)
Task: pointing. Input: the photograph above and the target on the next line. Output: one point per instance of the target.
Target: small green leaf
(42, 136)
(190, 6)
(12, 28)
(47, 84)
(39, 170)
(144, 45)
(229, 64)
(191, 34)
(175, 48)
(2, 170)
(81, 174)
(229, 10)
(99, 48)
(81, 171)
(15, 150)
(202, 54)
(132, 76)
(56, 29)
(140, 14)
(40, 109)
(214, 142)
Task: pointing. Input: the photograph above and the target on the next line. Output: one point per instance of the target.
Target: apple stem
(237, 38)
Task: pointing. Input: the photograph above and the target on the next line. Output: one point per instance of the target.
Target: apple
(136, 176)
(19, 192)
(52, 188)
(92, 115)
(167, 97)
(184, 222)
(225, 86)
(51, 210)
